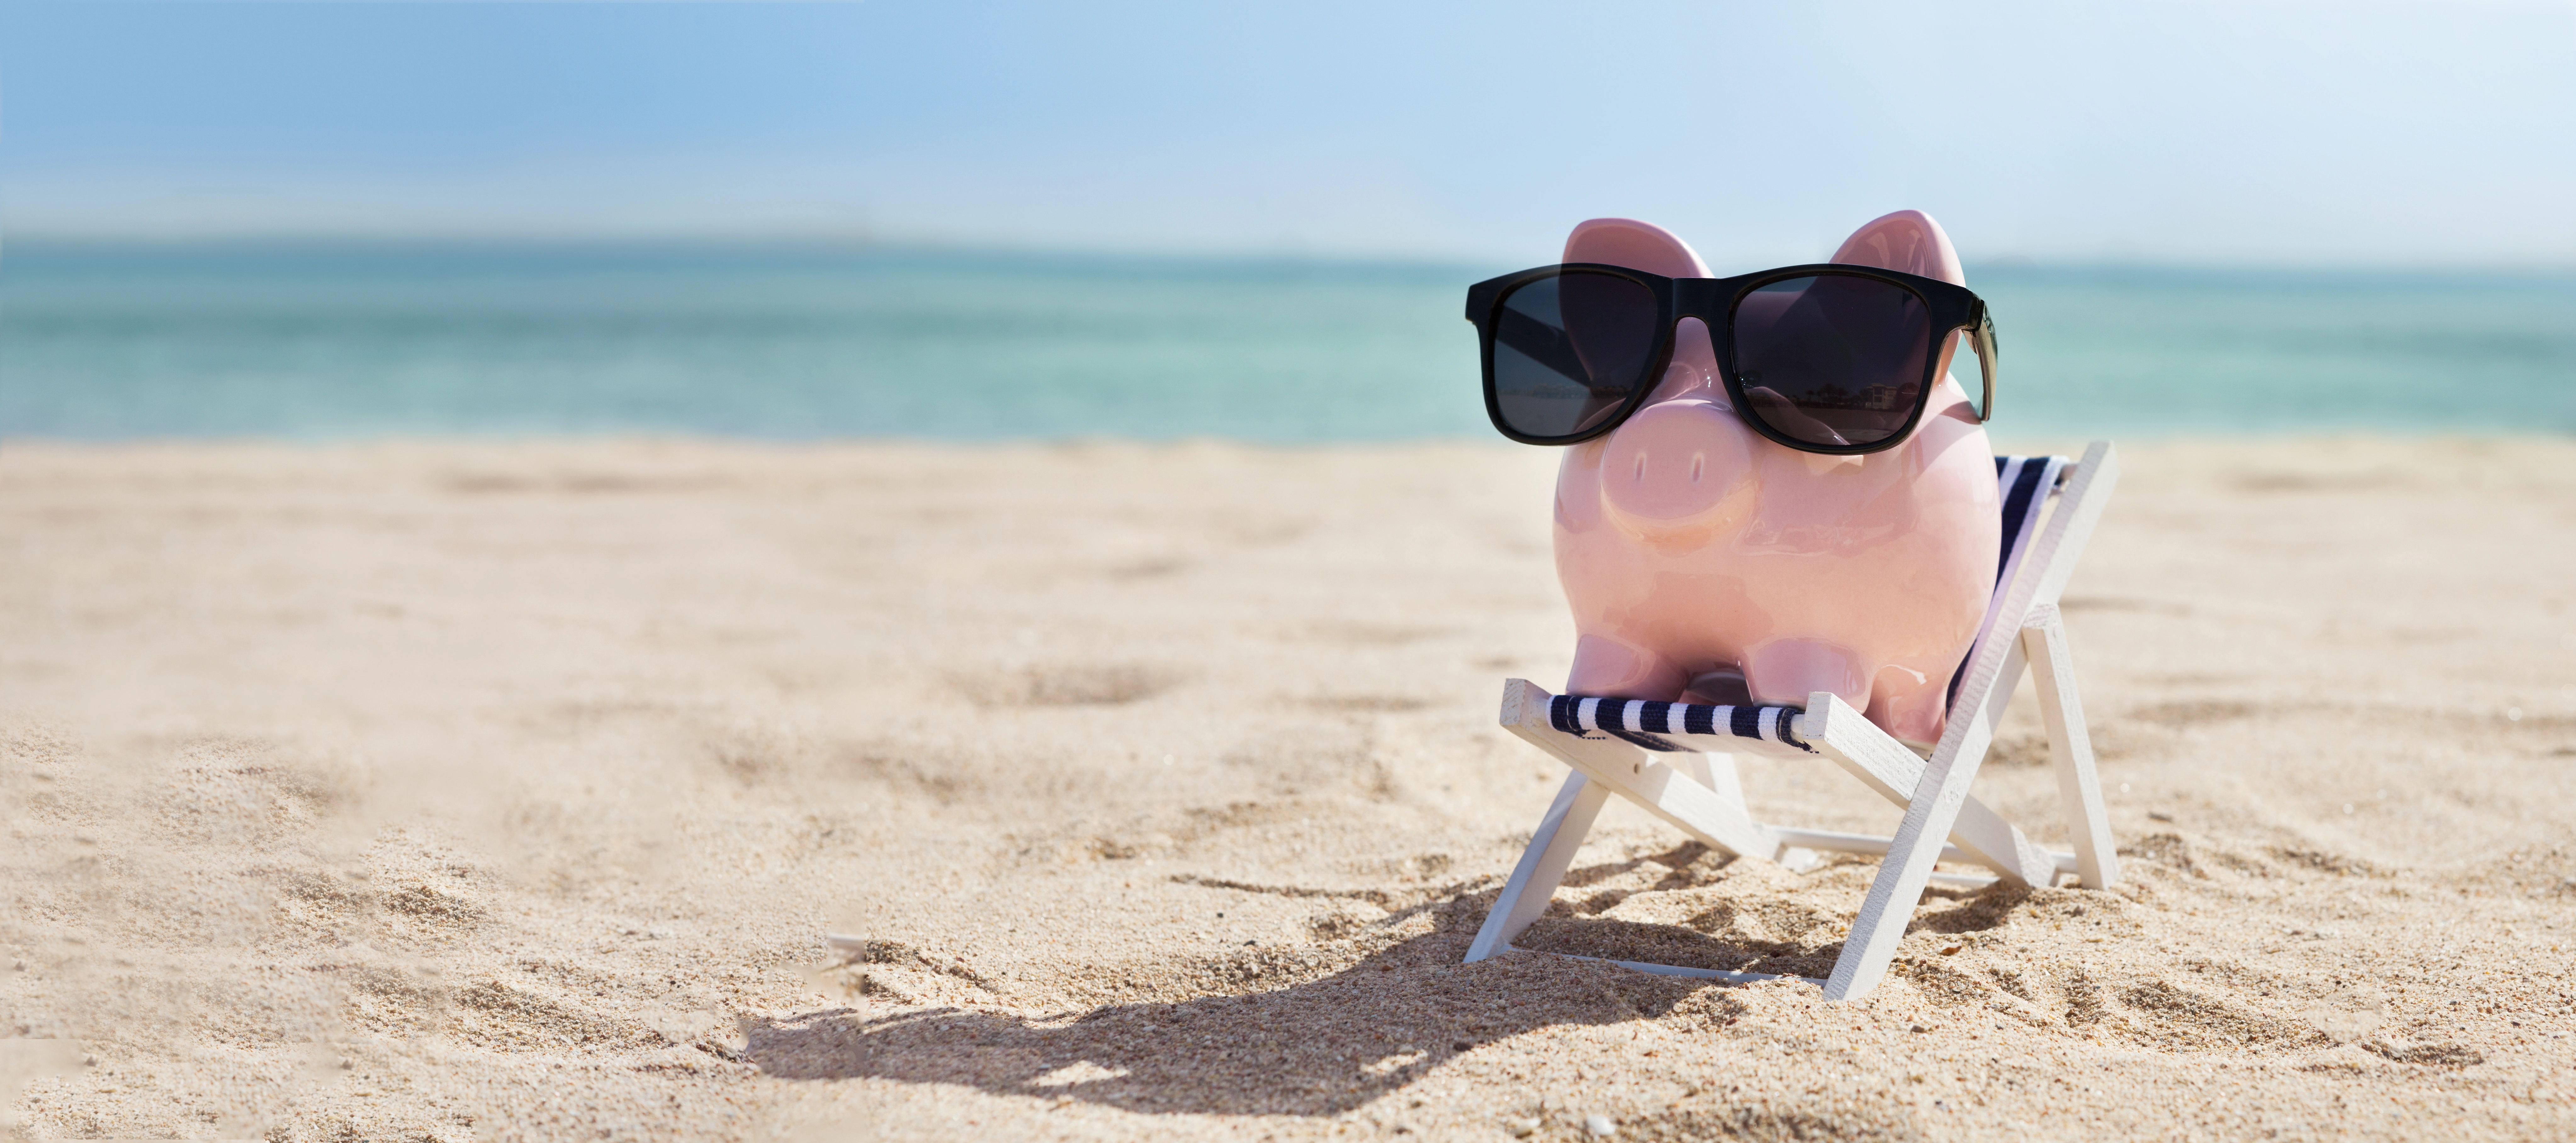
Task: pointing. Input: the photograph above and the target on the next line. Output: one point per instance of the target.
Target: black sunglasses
(1824, 358)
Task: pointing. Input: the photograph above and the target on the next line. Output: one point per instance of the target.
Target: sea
(320, 342)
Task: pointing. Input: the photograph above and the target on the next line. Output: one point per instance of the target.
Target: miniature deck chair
(1650, 753)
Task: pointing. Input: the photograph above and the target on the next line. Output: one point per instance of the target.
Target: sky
(2272, 132)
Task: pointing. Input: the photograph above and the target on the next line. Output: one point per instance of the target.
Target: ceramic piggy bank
(1705, 561)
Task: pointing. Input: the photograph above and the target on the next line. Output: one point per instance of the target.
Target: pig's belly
(1915, 601)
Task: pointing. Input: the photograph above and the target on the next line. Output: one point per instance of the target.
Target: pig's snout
(1679, 470)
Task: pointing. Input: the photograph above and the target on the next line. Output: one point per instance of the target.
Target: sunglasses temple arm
(1984, 337)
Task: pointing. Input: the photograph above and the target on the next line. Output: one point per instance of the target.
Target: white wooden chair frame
(1698, 792)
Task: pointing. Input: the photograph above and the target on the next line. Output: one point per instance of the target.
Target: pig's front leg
(1606, 666)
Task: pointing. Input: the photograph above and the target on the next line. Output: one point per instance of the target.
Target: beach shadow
(1678, 945)
(1325, 1045)
(1320, 1047)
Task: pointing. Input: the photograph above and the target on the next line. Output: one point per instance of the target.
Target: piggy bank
(1707, 563)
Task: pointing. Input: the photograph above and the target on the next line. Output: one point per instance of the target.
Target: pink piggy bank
(1706, 562)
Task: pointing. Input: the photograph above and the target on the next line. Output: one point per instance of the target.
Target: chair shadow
(1318, 1047)
(1704, 940)
(1321, 1047)
(1955, 911)
(1679, 946)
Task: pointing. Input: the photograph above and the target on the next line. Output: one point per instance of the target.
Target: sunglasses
(1825, 358)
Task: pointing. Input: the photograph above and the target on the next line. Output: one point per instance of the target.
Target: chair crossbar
(1871, 843)
(1676, 760)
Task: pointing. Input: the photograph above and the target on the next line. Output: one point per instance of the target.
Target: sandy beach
(507, 791)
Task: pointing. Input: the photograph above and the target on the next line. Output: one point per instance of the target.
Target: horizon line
(847, 243)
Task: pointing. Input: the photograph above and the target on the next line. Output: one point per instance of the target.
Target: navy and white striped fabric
(2026, 481)
(1641, 722)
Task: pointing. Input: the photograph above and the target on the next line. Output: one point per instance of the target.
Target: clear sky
(2257, 131)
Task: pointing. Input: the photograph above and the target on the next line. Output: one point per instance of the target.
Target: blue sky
(2264, 131)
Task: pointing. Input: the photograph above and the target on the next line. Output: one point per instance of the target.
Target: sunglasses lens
(1569, 349)
(1832, 359)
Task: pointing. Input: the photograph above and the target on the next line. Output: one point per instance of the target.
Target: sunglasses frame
(1714, 301)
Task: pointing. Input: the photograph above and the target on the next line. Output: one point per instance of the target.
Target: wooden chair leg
(1542, 866)
(1901, 879)
(1930, 816)
(2070, 748)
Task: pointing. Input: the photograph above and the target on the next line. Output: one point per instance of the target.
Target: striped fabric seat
(2026, 482)
(1646, 723)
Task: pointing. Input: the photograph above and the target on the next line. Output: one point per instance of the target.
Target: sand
(484, 791)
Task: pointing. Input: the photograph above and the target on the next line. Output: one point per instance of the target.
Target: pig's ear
(1907, 240)
(1635, 245)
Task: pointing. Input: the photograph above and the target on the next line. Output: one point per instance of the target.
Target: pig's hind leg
(1908, 703)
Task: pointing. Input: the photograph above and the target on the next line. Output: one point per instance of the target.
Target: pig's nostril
(1699, 464)
(1640, 473)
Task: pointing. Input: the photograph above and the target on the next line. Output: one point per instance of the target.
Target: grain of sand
(449, 791)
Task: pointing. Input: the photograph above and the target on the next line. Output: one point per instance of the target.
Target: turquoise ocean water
(353, 342)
